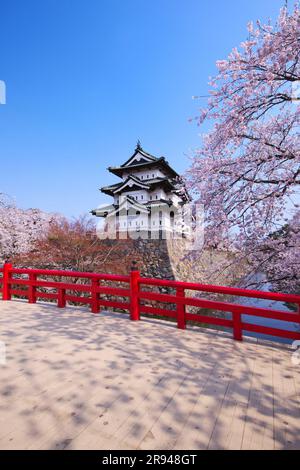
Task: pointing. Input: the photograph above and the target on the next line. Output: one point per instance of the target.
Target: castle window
(172, 218)
(156, 197)
(142, 197)
(150, 198)
(153, 175)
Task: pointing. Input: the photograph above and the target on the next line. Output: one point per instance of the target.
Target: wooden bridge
(72, 379)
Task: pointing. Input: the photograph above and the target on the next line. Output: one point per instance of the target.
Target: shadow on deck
(74, 380)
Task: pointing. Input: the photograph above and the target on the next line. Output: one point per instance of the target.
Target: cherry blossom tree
(69, 245)
(247, 171)
(19, 229)
(279, 257)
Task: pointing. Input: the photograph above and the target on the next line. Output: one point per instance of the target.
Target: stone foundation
(170, 259)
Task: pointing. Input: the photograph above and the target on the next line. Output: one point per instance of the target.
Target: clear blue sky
(86, 79)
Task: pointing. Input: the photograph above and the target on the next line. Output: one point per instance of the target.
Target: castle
(148, 201)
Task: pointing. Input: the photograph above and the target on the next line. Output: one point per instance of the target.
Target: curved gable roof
(128, 204)
(159, 162)
(139, 156)
(131, 182)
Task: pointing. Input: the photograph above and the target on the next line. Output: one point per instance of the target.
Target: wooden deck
(74, 380)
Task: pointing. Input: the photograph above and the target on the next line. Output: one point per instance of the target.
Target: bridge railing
(141, 300)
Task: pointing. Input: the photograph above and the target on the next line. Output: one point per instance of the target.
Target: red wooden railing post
(99, 295)
(180, 309)
(7, 269)
(237, 326)
(134, 291)
(95, 307)
(32, 289)
(61, 298)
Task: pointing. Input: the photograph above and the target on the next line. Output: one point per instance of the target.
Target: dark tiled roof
(149, 183)
(160, 162)
(141, 152)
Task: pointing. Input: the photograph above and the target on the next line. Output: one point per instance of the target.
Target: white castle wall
(145, 174)
(142, 195)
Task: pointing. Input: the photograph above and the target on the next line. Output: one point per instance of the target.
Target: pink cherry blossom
(19, 229)
(247, 172)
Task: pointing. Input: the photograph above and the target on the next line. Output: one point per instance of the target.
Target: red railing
(137, 296)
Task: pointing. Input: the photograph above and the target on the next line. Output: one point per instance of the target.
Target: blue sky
(86, 79)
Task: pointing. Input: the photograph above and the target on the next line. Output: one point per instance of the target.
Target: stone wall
(151, 257)
(170, 259)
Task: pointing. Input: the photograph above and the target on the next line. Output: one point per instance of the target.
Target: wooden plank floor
(74, 380)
